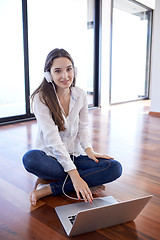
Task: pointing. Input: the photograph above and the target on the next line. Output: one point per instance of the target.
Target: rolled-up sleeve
(51, 135)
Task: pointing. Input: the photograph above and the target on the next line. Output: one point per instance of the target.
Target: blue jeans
(43, 166)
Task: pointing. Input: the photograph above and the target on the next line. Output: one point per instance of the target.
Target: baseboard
(155, 114)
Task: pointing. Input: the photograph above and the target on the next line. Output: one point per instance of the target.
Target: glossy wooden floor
(128, 133)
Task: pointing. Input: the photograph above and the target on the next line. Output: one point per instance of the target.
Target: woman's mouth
(65, 81)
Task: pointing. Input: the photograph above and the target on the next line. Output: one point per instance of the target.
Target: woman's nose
(64, 74)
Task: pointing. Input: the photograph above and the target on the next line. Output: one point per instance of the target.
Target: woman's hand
(93, 155)
(80, 186)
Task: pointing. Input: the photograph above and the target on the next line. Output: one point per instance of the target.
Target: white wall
(155, 61)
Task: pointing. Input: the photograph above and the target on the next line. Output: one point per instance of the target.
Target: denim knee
(30, 159)
(117, 169)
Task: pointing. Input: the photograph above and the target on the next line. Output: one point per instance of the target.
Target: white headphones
(48, 77)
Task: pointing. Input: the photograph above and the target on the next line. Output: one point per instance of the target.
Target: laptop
(83, 217)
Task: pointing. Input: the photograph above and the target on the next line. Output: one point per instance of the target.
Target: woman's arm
(83, 132)
(80, 186)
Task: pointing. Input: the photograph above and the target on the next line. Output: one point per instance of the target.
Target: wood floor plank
(22, 225)
(148, 227)
(16, 197)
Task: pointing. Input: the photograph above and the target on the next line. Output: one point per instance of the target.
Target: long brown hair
(46, 92)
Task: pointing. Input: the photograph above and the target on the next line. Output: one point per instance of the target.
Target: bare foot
(97, 189)
(42, 190)
(41, 181)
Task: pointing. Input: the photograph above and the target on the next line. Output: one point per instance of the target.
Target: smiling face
(62, 73)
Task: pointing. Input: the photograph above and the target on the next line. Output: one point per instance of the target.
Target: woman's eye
(69, 69)
(57, 71)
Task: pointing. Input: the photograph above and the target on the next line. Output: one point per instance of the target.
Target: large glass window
(130, 51)
(61, 24)
(12, 93)
(34, 28)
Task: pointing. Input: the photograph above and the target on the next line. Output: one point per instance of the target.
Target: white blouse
(74, 140)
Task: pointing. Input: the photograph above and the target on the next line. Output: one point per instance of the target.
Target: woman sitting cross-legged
(63, 145)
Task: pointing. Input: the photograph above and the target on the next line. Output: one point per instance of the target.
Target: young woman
(63, 146)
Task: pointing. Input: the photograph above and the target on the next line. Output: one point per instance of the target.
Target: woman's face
(62, 72)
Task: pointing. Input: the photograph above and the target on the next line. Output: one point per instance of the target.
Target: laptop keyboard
(72, 218)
